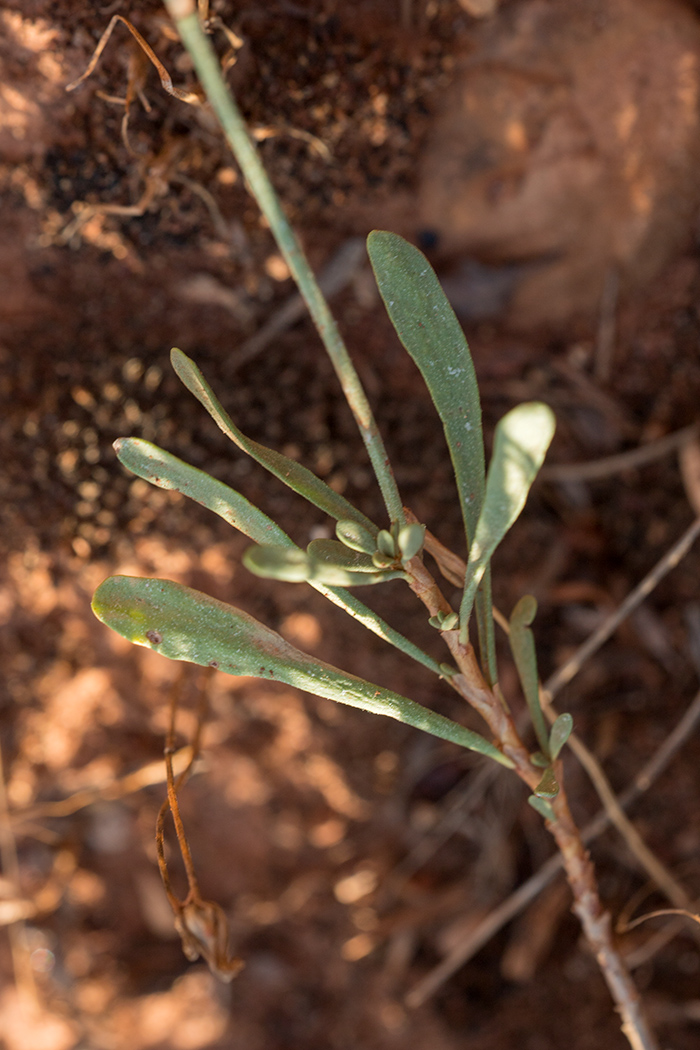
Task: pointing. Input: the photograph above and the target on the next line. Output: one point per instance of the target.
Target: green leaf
(340, 567)
(411, 538)
(540, 760)
(324, 553)
(356, 536)
(543, 808)
(548, 786)
(385, 543)
(183, 624)
(521, 441)
(293, 474)
(522, 646)
(168, 472)
(560, 733)
(429, 330)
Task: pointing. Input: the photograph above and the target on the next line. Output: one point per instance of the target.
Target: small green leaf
(385, 543)
(543, 808)
(356, 536)
(330, 553)
(547, 787)
(278, 563)
(297, 566)
(183, 624)
(521, 441)
(560, 733)
(540, 760)
(410, 540)
(293, 474)
(382, 561)
(522, 646)
(444, 621)
(448, 670)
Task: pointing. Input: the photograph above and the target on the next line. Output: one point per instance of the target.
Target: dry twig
(202, 924)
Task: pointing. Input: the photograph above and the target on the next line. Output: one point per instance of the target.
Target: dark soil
(303, 817)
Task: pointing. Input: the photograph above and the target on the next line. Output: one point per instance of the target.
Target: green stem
(209, 73)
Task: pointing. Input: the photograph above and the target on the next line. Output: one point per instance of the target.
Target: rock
(567, 149)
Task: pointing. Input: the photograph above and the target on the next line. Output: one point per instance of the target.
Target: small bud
(385, 543)
(547, 787)
(410, 540)
(560, 733)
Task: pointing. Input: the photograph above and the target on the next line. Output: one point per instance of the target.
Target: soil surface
(350, 854)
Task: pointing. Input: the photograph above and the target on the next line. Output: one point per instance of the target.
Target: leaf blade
(166, 471)
(183, 624)
(522, 645)
(521, 441)
(296, 476)
(297, 566)
(431, 334)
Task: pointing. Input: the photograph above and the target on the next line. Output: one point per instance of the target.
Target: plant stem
(597, 926)
(577, 863)
(246, 154)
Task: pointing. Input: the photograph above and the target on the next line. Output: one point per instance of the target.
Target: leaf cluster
(183, 624)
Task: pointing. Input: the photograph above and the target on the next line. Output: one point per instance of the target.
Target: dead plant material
(608, 466)
(191, 97)
(202, 924)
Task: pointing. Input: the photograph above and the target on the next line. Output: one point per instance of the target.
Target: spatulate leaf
(429, 330)
(560, 733)
(521, 441)
(183, 624)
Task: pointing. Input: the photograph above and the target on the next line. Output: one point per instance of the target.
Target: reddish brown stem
(580, 873)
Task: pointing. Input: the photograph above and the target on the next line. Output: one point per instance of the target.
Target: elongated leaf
(168, 472)
(429, 330)
(297, 566)
(521, 440)
(331, 552)
(183, 624)
(426, 325)
(522, 646)
(293, 474)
